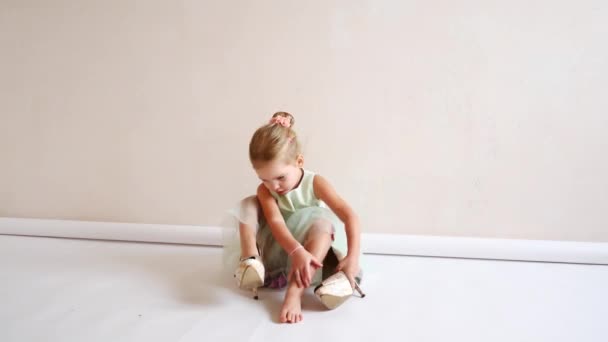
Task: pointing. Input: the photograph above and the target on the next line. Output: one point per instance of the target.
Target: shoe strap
(251, 257)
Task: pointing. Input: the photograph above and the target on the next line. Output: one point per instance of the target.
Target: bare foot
(291, 312)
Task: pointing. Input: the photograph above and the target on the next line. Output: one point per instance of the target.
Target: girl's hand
(350, 266)
(303, 266)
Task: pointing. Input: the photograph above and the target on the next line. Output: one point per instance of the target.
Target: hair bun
(285, 115)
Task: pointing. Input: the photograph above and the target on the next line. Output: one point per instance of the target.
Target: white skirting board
(182, 234)
(390, 244)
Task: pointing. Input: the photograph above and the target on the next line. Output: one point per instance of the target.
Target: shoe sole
(332, 302)
(250, 279)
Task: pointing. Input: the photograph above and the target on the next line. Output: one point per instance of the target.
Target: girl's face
(279, 176)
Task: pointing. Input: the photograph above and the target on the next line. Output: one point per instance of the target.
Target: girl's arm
(275, 220)
(325, 192)
(302, 260)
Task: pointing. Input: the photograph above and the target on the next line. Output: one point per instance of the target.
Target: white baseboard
(182, 234)
(486, 248)
(389, 244)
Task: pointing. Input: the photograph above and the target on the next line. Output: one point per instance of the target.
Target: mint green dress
(300, 208)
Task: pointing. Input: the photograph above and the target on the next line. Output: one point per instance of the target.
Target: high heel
(359, 290)
(335, 290)
(250, 274)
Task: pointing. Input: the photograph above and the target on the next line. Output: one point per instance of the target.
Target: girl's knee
(250, 202)
(320, 229)
(249, 210)
(322, 226)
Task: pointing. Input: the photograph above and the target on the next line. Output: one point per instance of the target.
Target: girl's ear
(300, 160)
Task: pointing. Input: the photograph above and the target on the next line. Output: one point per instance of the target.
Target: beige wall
(469, 118)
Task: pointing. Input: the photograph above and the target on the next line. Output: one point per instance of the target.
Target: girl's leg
(319, 239)
(250, 272)
(250, 210)
(317, 242)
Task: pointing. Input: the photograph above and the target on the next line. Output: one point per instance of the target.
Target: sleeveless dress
(300, 208)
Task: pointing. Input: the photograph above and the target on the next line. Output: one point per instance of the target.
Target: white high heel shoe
(335, 290)
(250, 274)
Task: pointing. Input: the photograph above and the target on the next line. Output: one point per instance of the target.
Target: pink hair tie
(281, 120)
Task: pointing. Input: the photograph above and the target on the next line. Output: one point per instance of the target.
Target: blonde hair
(275, 141)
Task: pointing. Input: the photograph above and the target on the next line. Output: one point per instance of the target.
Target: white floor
(85, 290)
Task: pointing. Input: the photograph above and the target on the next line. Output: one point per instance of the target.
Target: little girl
(294, 226)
